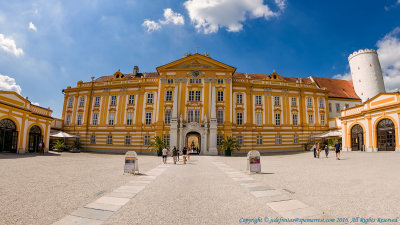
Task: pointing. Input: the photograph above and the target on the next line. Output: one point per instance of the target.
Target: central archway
(193, 142)
(35, 137)
(357, 138)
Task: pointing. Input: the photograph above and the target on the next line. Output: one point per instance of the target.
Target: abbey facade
(197, 101)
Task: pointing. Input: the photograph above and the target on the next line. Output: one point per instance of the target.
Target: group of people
(175, 154)
(318, 148)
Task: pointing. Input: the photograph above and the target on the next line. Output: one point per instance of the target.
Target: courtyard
(61, 187)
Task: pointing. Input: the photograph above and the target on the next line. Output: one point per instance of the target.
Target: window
(190, 116)
(259, 139)
(259, 119)
(294, 117)
(277, 100)
(338, 107)
(168, 96)
(150, 98)
(97, 101)
(198, 95)
(148, 118)
(219, 139)
(113, 100)
(277, 119)
(191, 95)
(198, 81)
(321, 103)
(93, 139)
(197, 116)
(111, 119)
(322, 119)
(167, 139)
(147, 140)
(220, 96)
(78, 138)
(220, 81)
(295, 139)
(129, 118)
(239, 118)
(330, 107)
(94, 119)
(70, 101)
(346, 106)
(131, 100)
(309, 102)
(109, 139)
(191, 81)
(167, 117)
(220, 117)
(81, 101)
(170, 81)
(294, 101)
(79, 121)
(128, 140)
(68, 119)
(239, 140)
(310, 119)
(311, 138)
(239, 98)
(258, 99)
(278, 139)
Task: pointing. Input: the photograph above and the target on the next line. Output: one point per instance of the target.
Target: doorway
(193, 142)
(35, 137)
(8, 136)
(357, 138)
(386, 135)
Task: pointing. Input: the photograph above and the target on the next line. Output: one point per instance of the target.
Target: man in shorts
(164, 155)
(337, 149)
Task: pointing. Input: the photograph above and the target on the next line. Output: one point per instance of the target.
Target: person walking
(178, 152)
(174, 154)
(314, 147)
(326, 151)
(337, 149)
(164, 155)
(318, 150)
(40, 147)
(184, 152)
(188, 153)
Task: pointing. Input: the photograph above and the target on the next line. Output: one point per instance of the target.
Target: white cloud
(389, 57)
(32, 26)
(35, 103)
(8, 45)
(346, 76)
(210, 15)
(169, 17)
(8, 84)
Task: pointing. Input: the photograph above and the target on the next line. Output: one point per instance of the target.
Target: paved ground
(90, 189)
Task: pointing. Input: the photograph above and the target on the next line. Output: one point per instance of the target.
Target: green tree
(59, 145)
(157, 145)
(228, 144)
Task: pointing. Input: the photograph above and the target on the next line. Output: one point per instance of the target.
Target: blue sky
(46, 46)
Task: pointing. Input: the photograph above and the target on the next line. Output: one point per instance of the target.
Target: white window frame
(219, 139)
(191, 96)
(220, 116)
(148, 118)
(111, 118)
(259, 140)
(94, 119)
(239, 118)
(295, 118)
(149, 98)
(321, 103)
(295, 139)
(259, 119)
(68, 119)
(277, 119)
(322, 119)
(220, 96)
(109, 139)
(197, 96)
(146, 139)
(131, 100)
(93, 139)
(258, 99)
(190, 116)
(167, 139)
(239, 98)
(113, 100)
(278, 139)
(220, 81)
(239, 139)
(128, 139)
(197, 116)
(168, 96)
(277, 100)
(310, 119)
(167, 117)
(81, 101)
(337, 107)
(70, 102)
(97, 101)
(330, 107)
(294, 101)
(129, 118)
(79, 120)
(309, 102)
(170, 81)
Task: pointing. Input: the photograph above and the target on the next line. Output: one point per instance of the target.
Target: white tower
(366, 73)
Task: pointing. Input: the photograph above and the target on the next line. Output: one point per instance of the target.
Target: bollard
(131, 163)
(254, 162)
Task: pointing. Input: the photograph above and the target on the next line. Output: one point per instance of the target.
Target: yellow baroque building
(22, 125)
(196, 101)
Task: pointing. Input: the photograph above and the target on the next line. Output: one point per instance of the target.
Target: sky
(46, 46)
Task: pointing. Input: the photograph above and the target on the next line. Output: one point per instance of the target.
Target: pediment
(13, 98)
(198, 62)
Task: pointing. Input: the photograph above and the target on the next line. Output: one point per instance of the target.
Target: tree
(229, 144)
(59, 145)
(157, 145)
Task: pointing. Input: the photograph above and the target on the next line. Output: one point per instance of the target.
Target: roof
(128, 75)
(337, 88)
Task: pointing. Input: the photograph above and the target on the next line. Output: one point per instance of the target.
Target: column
(173, 133)
(212, 150)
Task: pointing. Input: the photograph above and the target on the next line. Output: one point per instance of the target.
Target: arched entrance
(193, 141)
(35, 137)
(357, 137)
(386, 135)
(8, 136)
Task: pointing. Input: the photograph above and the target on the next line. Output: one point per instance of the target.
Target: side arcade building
(197, 101)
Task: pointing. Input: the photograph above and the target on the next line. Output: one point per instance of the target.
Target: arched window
(8, 136)
(357, 138)
(386, 135)
(35, 138)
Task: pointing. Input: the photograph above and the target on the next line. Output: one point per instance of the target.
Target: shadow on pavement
(26, 155)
